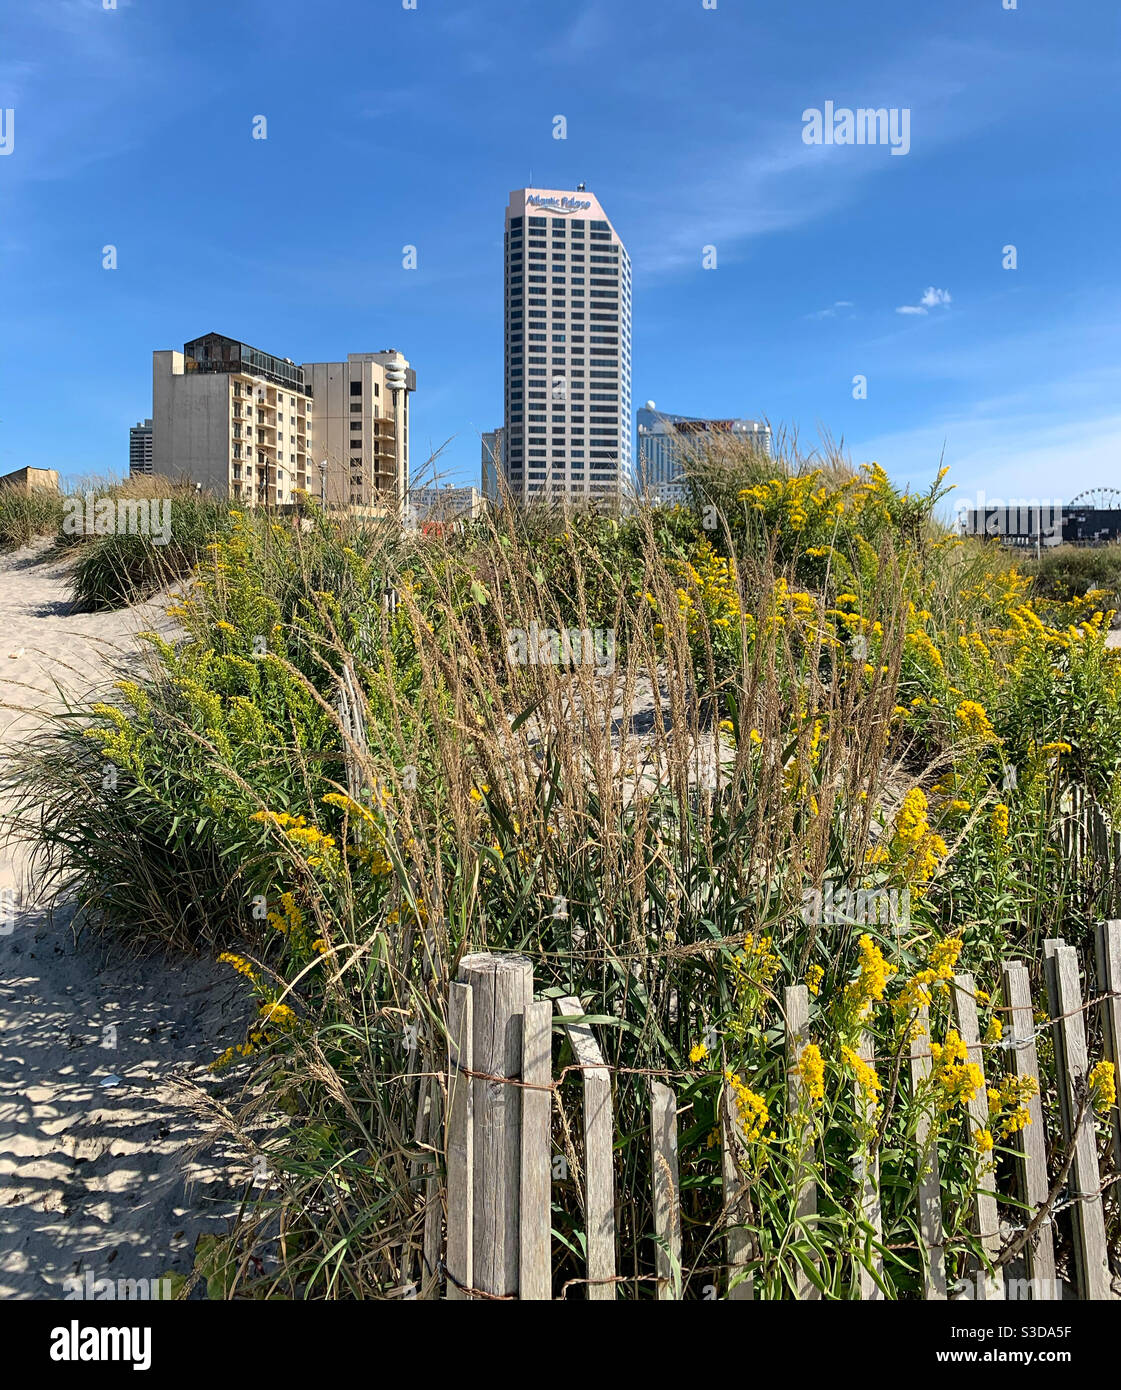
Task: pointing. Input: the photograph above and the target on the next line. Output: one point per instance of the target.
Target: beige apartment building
(259, 429)
(361, 429)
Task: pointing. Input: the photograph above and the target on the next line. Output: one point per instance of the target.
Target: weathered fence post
(432, 1208)
(867, 1174)
(599, 1146)
(1108, 944)
(535, 1271)
(1031, 1141)
(667, 1189)
(1073, 1065)
(500, 988)
(460, 1143)
(739, 1243)
(1050, 945)
(991, 1284)
(931, 1232)
(797, 1008)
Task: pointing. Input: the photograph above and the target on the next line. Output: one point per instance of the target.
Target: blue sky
(390, 127)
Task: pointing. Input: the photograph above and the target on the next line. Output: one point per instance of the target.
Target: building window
(355, 388)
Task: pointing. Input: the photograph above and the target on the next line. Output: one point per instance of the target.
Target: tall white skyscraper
(568, 349)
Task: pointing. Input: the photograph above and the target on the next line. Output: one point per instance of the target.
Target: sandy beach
(99, 1050)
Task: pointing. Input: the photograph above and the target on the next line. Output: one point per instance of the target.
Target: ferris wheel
(1102, 499)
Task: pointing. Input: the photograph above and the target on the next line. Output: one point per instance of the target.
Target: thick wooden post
(501, 988)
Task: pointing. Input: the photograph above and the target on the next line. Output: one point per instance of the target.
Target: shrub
(27, 513)
(1069, 572)
(126, 566)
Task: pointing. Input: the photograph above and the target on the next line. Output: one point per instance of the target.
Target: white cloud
(833, 311)
(931, 298)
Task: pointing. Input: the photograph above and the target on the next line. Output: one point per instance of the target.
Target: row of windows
(240, 390)
(578, 258)
(539, 309)
(534, 341)
(539, 420)
(516, 396)
(559, 222)
(606, 317)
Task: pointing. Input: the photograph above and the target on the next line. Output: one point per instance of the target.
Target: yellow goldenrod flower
(750, 1107)
(1103, 1087)
(974, 721)
(864, 1073)
(810, 1071)
(239, 963)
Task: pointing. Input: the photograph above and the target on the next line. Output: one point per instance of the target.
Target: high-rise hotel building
(568, 349)
(259, 429)
(140, 448)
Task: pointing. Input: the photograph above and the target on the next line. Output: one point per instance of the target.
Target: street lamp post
(396, 380)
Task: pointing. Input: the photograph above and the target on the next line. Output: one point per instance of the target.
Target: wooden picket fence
(491, 1233)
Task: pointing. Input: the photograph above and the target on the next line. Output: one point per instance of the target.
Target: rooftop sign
(535, 200)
